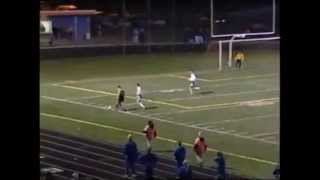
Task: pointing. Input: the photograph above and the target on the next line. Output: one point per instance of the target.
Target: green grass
(231, 127)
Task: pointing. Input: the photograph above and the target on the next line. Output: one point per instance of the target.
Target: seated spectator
(131, 156)
(185, 172)
(149, 160)
(221, 166)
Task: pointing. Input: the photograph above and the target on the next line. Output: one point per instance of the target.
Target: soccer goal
(258, 48)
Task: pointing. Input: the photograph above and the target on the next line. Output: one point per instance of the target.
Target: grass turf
(80, 88)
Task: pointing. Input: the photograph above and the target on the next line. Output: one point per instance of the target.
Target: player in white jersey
(139, 96)
(193, 84)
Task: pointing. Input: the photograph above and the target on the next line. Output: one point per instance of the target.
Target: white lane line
(87, 158)
(84, 145)
(226, 79)
(223, 94)
(73, 170)
(159, 137)
(236, 120)
(164, 120)
(129, 97)
(265, 134)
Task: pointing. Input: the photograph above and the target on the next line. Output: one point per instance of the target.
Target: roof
(68, 12)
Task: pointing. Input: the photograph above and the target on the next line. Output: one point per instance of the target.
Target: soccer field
(237, 111)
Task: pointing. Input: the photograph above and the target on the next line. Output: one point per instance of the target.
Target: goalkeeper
(239, 59)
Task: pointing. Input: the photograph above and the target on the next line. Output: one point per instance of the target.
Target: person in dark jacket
(180, 154)
(131, 156)
(221, 166)
(185, 172)
(149, 160)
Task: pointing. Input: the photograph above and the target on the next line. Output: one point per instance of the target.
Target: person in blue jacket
(184, 171)
(131, 156)
(180, 154)
(149, 160)
(221, 166)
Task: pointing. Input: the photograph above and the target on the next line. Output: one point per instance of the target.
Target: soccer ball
(108, 107)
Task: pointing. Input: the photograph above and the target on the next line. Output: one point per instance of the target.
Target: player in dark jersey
(121, 95)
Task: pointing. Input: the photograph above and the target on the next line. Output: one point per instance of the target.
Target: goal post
(254, 42)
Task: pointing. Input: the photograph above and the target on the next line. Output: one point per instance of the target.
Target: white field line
(185, 77)
(226, 79)
(159, 137)
(95, 80)
(235, 120)
(150, 76)
(163, 120)
(126, 77)
(129, 97)
(243, 133)
(223, 94)
(274, 99)
(216, 106)
(266, 134)
(88, 97)
(274, 138)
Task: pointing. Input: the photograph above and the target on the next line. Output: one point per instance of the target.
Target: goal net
(257, 52)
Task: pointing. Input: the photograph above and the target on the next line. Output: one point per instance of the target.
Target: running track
(100, 161)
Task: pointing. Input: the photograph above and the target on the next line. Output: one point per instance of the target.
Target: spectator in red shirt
(151, 133)
(200, 147)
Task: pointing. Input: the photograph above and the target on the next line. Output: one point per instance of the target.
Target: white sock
(190, 90)
(148, 144)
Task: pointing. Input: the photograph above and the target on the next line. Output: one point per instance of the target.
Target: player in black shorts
(121, 95)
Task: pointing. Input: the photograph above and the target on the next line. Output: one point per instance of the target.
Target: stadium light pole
(173, 24)
(149, 24)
